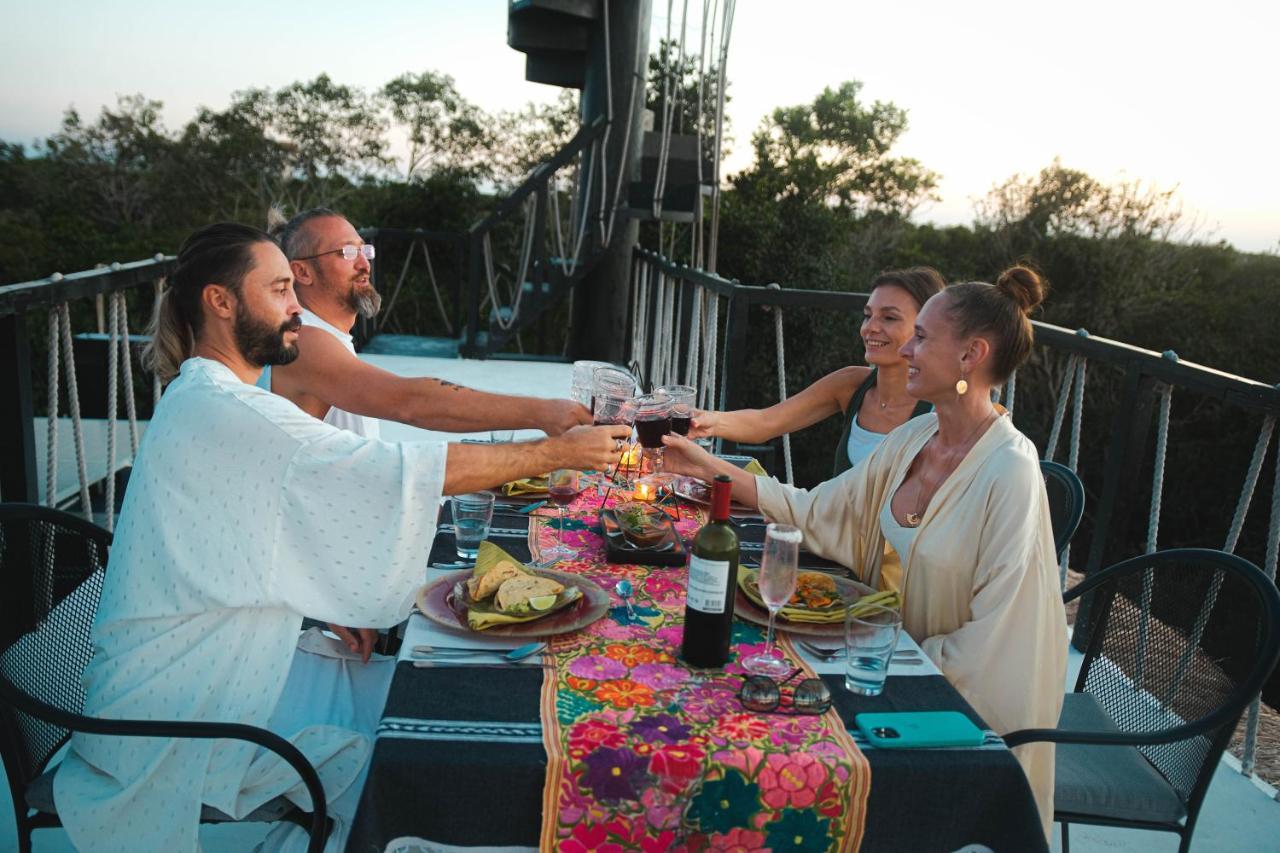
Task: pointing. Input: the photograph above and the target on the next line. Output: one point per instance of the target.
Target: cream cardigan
(980, 582)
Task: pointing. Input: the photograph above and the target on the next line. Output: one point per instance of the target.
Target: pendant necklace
(914, 518)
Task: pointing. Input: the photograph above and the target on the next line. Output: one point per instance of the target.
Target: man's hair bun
(1024, 286)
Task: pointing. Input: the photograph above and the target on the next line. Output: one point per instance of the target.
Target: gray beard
(366, 303)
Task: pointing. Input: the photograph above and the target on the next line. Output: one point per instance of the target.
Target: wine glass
(776, 582)
(682, 401)
(653, 421)
(562, 488)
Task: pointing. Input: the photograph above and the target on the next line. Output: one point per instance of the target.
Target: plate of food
(815, 609)
(692, 489)
(502, 597)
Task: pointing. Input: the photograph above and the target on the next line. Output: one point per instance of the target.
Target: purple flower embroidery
(659, 676)
(614, 774)
(597, 667)
(660, 727)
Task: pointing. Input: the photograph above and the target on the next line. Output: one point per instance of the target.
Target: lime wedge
(542, 602)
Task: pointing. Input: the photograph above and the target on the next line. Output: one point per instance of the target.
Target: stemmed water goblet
(776, 581)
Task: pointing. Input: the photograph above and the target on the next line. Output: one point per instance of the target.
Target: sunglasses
(762, 695)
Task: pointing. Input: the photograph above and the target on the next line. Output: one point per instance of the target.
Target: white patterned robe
(243, 514)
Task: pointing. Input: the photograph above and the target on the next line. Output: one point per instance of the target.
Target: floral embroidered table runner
(647, 754)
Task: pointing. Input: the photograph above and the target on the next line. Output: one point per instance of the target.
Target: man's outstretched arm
(327, 371)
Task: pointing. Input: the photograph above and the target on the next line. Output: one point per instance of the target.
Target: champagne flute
(776, 581)
(562, 488)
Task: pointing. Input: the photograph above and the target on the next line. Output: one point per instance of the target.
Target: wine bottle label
(708, 584)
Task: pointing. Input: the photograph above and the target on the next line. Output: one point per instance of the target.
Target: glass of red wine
(611, 408)
(682, 398)
(562, 487)
(653, 421)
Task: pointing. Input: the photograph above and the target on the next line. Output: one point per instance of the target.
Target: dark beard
(262, 343)
(365, 301)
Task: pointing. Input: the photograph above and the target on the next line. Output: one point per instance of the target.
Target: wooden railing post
(18, 480)
(732, 386)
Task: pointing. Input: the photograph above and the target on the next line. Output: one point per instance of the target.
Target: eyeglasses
(763, 695)
(348, 253)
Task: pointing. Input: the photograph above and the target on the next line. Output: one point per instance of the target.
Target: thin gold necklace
(914, 518)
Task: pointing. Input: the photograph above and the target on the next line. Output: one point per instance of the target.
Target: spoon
(624, 590)
(517, 654)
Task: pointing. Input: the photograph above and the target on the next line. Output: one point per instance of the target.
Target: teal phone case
(908, 729)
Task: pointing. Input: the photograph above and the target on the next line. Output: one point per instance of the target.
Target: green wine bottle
(713, 583)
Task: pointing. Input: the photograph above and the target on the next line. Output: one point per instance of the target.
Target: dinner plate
(435, 601)
(692, 489)
(850, 591)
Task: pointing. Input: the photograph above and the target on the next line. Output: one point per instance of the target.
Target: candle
(644, 491)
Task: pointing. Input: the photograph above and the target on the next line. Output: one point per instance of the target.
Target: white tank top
(898, 537)
(862, 442)
(359, 424)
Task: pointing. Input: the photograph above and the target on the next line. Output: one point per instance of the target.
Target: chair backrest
(53, 566)
(1066, 502)
(1175, 637)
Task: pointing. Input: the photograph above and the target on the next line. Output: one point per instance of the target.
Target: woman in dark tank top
(874, 399)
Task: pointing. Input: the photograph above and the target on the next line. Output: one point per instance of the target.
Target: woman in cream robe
(980, 582)
(971, 522)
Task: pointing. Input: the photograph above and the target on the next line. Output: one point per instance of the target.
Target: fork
(909, 656)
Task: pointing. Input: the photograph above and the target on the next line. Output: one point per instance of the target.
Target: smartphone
(908, 729)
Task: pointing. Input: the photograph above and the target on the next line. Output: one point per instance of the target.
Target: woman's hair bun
(1024, 286)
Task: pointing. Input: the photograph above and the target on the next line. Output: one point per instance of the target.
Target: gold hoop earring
(962, 387)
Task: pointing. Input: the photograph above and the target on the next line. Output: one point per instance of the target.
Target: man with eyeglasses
(331, 265)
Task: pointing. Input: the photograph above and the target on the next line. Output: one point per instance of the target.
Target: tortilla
(514, 594)
(480, 588)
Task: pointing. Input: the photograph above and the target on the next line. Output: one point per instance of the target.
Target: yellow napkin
(485, 614)
(527, 486)
(754, 467)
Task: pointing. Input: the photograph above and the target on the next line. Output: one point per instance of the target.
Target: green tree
(444, 130)
(835, 151)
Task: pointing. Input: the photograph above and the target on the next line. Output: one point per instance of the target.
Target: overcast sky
(1172, 94)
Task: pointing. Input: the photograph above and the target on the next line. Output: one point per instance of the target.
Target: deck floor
(1239, 813)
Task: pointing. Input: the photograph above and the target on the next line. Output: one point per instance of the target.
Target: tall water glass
(682, 400)
(870, 636)
(472, 515)
(776, 581)
(612, 381)
(583, 376)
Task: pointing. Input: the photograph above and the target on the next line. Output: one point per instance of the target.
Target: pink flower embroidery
(790, 780)
(738, 840)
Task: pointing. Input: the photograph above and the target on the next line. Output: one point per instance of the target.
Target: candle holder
(645, 490)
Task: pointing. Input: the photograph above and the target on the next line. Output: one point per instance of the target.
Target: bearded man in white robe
(243, 515)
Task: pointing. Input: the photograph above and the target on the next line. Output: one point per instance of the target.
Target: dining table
(608, 742)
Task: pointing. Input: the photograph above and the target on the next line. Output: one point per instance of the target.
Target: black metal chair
(53, 565)
(1066, 502)
(1160, 694)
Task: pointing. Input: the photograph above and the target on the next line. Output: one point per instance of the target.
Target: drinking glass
(776, 581)
(682, 400)
(611, 381)
(472, 515)
(562, 487)
(501, 436)
(870, 636)
(653, 421)
(583, 373)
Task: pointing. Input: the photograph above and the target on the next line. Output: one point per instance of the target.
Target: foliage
(834, 152)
